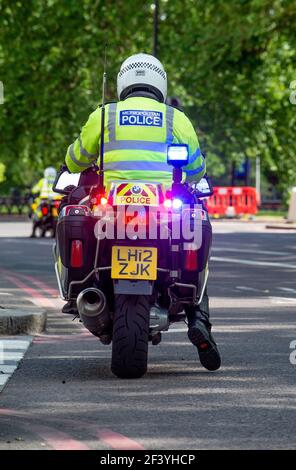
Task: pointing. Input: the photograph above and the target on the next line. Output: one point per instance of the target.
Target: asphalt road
(63, 395)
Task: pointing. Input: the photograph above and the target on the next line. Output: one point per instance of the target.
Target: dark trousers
(202, 311)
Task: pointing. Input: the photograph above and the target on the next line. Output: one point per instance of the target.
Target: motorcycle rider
(138, 129)
(42, 190)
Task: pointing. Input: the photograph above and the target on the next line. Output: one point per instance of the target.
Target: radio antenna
(101, 165)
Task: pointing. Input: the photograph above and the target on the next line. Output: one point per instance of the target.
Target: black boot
(199, 333)
(33, 234)
(70, 308)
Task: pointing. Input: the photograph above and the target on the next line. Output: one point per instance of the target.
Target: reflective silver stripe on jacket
(196, 170)
(169, 124)
(74, 159)
(112, 121)
(83, 151)
(135, 145)
(134, 165)
(194, 156)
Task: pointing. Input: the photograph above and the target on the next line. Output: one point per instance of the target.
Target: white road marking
(15, 344)
(242, 327)
(7, 369)
(13, 356)
(3, 380)
(287, 289)
(254, 251)
(244, 227)
(28, 240)
(11, 350)
(283, 301)
(253, 263)
(251, 289)
(5, 293)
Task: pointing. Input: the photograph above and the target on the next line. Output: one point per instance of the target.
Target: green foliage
(2, 172)
(231, 63)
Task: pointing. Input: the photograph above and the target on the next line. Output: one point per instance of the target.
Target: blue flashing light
(178, 155)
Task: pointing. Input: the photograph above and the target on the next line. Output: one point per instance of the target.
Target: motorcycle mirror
(64, 179)
(203, 188)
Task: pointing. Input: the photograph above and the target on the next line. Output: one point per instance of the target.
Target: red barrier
(232, 201)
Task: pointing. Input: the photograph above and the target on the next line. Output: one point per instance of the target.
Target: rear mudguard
(133, 287)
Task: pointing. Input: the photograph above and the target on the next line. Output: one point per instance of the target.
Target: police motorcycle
(124, 259)
(44, 216)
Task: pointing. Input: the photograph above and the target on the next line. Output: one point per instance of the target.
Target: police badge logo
(138, 117)
(136, 189)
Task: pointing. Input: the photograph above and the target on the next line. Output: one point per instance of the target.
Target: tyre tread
(130, 336)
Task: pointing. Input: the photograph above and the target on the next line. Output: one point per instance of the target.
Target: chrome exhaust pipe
(93, 310)
(91, 302)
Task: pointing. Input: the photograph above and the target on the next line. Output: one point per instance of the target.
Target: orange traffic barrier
(233, 201)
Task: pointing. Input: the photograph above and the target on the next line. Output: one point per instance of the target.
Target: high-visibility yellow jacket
(137, 133)
(43, 189)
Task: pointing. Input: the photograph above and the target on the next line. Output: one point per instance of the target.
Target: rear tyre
(130, 336)
(38, 232)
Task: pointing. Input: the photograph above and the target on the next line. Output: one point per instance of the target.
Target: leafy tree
(230, 62)
(240, 59)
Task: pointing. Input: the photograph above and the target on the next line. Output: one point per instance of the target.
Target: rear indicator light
(177, 204)
(191, 263)
(103, 201)
(76, 254)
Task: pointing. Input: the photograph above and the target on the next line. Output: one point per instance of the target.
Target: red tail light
(139, 217)
(57, 204)
(44, 210)
(191, 260)
(128, 218)
(97, 198)
(76, 254)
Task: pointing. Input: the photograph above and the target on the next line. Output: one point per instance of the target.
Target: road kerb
(22, 322)
(281, 226)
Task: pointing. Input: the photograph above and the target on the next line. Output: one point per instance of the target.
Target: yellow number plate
(54, 212)
(130, 262)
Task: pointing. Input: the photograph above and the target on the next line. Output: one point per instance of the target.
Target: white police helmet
(142, 72)
(50, 173)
